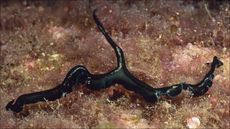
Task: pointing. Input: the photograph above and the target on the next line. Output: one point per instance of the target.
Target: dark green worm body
(80, 75)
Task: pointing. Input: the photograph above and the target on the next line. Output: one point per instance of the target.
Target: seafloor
(164, 41)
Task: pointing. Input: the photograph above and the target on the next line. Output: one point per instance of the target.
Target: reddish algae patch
(164, 42)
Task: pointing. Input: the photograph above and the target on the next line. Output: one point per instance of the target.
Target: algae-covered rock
(164, 42)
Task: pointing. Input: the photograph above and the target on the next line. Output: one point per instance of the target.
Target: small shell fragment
(193, 122)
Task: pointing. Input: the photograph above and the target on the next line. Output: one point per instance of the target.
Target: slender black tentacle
(117, 49)
(80, 75)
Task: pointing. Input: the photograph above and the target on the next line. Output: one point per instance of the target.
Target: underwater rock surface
(164, 42)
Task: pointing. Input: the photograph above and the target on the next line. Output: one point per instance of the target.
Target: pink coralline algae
(164, 43)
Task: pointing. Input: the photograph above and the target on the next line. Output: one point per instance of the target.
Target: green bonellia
(121, 75)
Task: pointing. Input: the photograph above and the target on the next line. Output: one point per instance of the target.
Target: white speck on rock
(193, 122)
